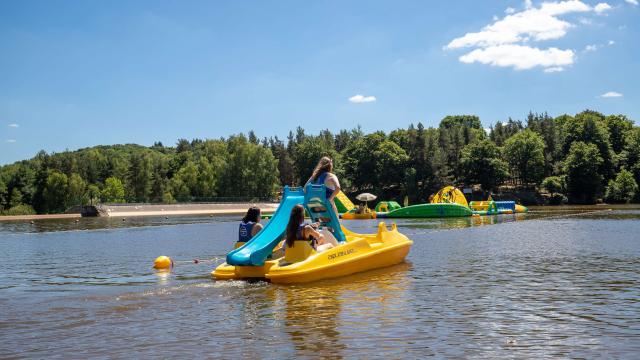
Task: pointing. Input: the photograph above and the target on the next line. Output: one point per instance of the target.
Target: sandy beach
(38, 217)
(134, 210)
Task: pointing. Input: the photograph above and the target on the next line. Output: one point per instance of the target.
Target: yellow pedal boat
(351, 215)
(301, 263)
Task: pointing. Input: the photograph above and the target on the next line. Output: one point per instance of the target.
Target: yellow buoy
(163, 262)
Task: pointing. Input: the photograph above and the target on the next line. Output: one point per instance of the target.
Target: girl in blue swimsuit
(297, 229)
(323, 174)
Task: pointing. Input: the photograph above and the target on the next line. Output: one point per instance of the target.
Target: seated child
(250, 225)
(297, 229)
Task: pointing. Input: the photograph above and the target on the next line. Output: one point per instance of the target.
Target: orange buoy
(163, 263)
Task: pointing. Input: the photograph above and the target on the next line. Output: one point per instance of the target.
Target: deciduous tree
(481, 164)
(525, 154)
(584, 180)
(113, 191)
(623, 188)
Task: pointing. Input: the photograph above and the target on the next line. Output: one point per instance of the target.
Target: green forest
(583, 159)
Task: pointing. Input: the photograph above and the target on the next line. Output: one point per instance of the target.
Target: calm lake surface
(557, 282)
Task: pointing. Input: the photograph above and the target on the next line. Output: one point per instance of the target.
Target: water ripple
(565, 283)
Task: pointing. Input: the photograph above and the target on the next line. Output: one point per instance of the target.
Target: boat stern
(225, 271)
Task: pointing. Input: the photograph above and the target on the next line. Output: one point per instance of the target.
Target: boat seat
(300, 251)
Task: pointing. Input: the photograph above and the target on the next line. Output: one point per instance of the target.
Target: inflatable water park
(260, 257)
(448, 202)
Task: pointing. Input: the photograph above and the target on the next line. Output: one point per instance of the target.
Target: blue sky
(81, 73)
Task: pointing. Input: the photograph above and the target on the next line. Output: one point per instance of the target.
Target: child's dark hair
(296, 218)
(253, 215)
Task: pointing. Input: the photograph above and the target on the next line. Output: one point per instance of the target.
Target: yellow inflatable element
(480, 205)
(449, 195)
(383, 207)
(162, 263)
(521, 209)
(303, 264)
(342, 198)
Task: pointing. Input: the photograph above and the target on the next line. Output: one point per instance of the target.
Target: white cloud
(601, 8)
(592, 47)
(509, 10)
(358, 99)
(508, 41)
(554, 69)
(611, 42)
(611, 94)
(632, 2)
(533, 24)
(13, 125)
(520, 57)
(10, 141)
(564, 7)
(585, 21)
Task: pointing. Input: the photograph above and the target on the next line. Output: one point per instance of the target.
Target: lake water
(557, 282)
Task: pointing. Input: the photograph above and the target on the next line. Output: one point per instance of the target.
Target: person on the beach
(250, 225)
(297, 229)
(322, 174)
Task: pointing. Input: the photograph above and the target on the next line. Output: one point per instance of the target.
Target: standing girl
(323, 174)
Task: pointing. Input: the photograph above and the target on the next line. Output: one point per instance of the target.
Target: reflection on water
(318, 316)
(556, 282)
(311, 322)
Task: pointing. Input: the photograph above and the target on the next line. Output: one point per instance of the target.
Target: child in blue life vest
(250, 225)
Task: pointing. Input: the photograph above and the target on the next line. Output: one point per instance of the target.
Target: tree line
(579, 159)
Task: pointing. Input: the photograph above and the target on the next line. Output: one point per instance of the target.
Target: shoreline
(39, 217)
(144, 210)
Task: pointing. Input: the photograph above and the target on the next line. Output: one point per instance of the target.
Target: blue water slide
(256, 250)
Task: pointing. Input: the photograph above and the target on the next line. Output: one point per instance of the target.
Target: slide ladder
(320, 210)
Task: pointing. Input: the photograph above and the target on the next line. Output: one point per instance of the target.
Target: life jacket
(320, 181)
(244, 232)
